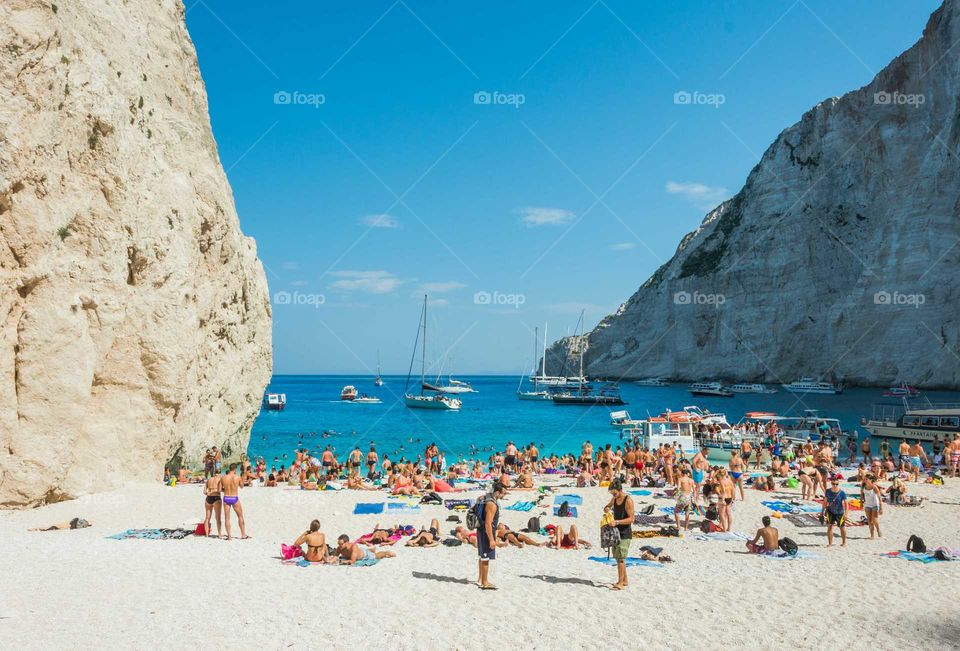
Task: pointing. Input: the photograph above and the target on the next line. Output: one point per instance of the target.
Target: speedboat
(275, 401)
(751, 388)
(652, 382)
(902, 390)
(714, 389)
(348, 392)
(809, 385)
(364, 399)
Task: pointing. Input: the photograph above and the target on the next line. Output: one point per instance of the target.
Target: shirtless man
(952, 455)
(770, 537)
(511, 456)
(865, 450)
(630, 461)
(356, 456)
(686, 495)
(533, 456)
(917, 455)
(230, 487)
(350, 553)
(904, 454)
(700, 466)
(212, 503)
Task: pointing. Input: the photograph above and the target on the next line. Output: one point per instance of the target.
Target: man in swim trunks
(350, 553)
(700, 466)
(835, 511)
(916, 455)
(953, 456)
(486, 536)
(212, 503)
(685, 499)
(230, 487)
(770, 537)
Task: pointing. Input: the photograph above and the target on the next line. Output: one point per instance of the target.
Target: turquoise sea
(494, 415)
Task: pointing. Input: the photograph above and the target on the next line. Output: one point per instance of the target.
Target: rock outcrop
(839, 258)
(134, 317)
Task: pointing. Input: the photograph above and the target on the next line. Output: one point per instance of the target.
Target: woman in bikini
(426, 537)
(736, 472)
(316, 543)
(212, 504)
(515, 538)
(569, 540)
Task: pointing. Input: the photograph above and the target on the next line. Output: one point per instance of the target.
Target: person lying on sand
(648, 553)
(76, 523)
(427, 537)
(316, 543)
(380, 537)
(354, 482)
(465, 535)
(569, 540)
(506, 535)
(348, 553)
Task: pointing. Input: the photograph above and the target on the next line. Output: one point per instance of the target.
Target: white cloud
(622, 246)
(298, 283)
(290, 266)
(371, 282)
(380, 221)
(538, 216)
(702, 196)
(438, 287)
(440, 302)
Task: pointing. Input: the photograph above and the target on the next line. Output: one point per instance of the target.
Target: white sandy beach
(78, 588)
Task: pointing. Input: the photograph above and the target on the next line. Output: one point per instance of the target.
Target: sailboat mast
(543, 362)
(536, 342)
(423, 357)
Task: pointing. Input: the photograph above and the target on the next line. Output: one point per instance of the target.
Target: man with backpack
(835, 511)
(487, 514)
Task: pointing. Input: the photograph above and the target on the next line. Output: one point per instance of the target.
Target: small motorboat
(902, 390)
(364, 399)
(275, 401)
(349, 392)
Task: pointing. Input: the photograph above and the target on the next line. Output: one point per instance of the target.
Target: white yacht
(435, 400)
(743, 387)
(809, 385)
(456, 386)
(275, 401)
(652, 382)
(714, 389)
(537, 393)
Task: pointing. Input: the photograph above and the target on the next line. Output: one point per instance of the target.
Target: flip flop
(488, 587)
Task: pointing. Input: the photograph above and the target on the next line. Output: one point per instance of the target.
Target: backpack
(475, 514)
(533, 525)
(712, 512)
(789, 546)
(915, 544)
(563, 511)
(431, 498)
(609, 536)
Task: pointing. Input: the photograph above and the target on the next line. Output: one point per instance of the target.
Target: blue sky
(531, 153)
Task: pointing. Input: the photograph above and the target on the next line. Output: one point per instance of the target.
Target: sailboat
(435, 400)
(608, 394)
(537, 393)
(378, 381)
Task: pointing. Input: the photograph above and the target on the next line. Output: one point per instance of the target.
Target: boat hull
(541, 396)
(588, 400)
(714, 394)
(427, 402)
(894, 431)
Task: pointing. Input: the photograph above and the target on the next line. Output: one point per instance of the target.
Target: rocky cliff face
(839, 258)
(134, 316)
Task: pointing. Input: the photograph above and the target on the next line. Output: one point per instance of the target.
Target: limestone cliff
(134, 316)
(838, 259)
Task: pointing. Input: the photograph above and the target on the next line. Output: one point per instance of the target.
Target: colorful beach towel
(455, 504)
(803, 519)
(572, 500)
(631, 561)
(152, 534)
(368, 508)
(781, 555)
(924, 558)
(520, 506)
(571, 514)
(786, 507)
(722, 535)
(402, 507)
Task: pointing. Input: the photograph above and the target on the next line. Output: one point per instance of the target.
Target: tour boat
(809, 385)
(926, 423)
(348, 392)
(751, 388)
(902, 390)
(652, 382)
(436, 399)
(275, 401)
(537, 393)
(714, 389)
(794, 430)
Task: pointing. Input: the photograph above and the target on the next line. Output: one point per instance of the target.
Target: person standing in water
(230, 486)
(621, 504)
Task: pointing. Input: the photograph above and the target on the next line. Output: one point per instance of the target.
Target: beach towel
(803, 520)
(572, 500)
(722, 535)
(367, 536)
(520, 506)
(640, 492)
(368, 508)
(643, 520)
(924, 558)
(631, 561)
(571, 514)
(402, 507)
(152, 534)
(781, 555)
(455, 504)
(785, 507)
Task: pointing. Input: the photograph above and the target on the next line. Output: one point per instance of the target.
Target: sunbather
(426, 537)
(560, 540)
(515, 538)
(316, 543)
(465, 535)
(76, 523)
(348, 553)
(770, 537)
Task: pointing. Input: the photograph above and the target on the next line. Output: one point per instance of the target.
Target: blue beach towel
(785, 507)
(520, 506)
(631, 561)
(368, 508)
(723, 535)
(452, 504)
(640, 492)
(152, 534)
(573, 511)
(784, 556)
(912, 556)
(572, 500)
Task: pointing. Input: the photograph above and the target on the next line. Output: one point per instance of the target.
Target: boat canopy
(619, 415)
